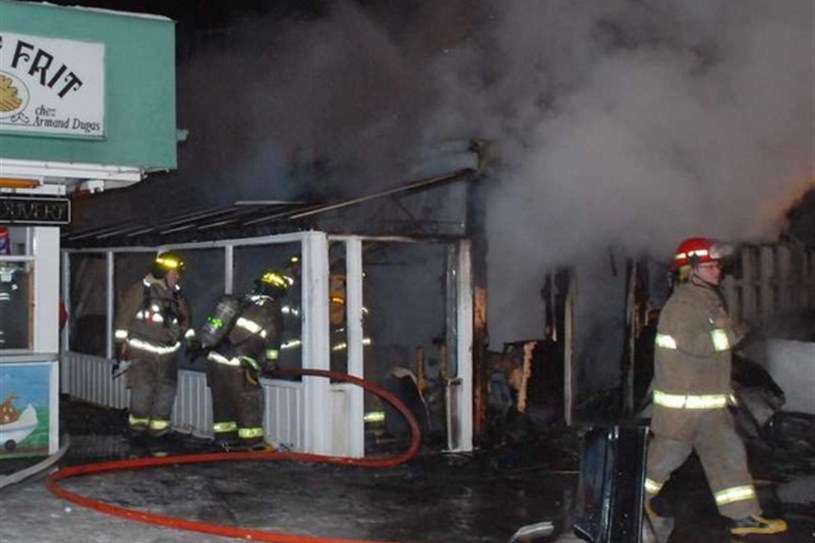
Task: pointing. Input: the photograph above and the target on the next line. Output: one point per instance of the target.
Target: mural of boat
(14, 432)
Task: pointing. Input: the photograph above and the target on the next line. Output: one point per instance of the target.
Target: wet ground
(434, 498)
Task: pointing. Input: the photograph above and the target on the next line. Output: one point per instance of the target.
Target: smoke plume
(637, 124)
(620, 126)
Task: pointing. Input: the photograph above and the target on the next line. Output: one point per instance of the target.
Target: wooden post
(768, 284)
(421, 375)
(785, 281)
(480, 370)
(732, 289)
(748, 287)
(627, 370)
(569, 358)
(529, 346)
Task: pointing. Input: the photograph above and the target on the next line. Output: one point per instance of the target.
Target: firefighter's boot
(226, 440)
(254, 445)
(757, 525)
(264, 446)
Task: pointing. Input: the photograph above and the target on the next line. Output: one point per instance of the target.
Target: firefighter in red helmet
(151, 323)
(692, 392)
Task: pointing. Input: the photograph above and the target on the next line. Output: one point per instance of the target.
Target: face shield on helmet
(166, 262)
(694, 251)
(274, 283)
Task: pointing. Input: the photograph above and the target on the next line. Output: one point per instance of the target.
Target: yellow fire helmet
(274, 283)
(165, 262)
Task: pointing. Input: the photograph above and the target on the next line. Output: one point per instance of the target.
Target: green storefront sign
(87, 101)
(86, 86)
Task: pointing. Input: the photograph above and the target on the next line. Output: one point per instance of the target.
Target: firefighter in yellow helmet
(243, 338)
(153, 319)
(692, 391)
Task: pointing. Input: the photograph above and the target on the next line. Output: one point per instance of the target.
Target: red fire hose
(230, 531)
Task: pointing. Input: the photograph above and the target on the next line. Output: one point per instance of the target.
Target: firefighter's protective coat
(692, 392)
(151, 321)
(252, 343)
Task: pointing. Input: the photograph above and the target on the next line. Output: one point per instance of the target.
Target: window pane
(16, 301)
(337, 313)
(250, 263)
(15, 240)
(128, 269)
(203, 285)
(88, 280)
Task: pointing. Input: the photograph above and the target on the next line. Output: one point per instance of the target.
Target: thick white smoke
(619, 125)
(655, 121)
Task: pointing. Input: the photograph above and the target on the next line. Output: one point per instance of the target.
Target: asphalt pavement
(436, 497)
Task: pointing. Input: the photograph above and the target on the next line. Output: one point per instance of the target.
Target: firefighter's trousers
(236, 405)
(722, 454)
(152, 379)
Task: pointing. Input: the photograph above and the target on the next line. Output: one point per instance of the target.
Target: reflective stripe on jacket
(692, 355)
(153, 313)
(256, 333)
(691, 401)
(692, 360)
(218, 358)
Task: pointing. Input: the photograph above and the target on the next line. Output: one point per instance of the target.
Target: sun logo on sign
(13, 95)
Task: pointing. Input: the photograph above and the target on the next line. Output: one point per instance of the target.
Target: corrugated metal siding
(340, 425)
(192, 412)
(88, 378)
(284, 405)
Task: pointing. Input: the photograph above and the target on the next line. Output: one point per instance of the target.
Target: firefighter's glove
(740, 331)
(251, 370)
(270, 367)
(193, 344)
(719, 321)
(270, 363)
(194, 350)
(120, 364)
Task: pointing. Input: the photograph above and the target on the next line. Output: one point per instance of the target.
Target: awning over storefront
(260, 218)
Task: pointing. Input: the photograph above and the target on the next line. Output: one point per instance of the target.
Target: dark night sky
(204, 14)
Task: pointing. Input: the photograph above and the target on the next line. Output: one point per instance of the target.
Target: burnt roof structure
(415, 209)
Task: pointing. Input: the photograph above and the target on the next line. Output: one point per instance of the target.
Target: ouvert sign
(22, 210)
(51, 86)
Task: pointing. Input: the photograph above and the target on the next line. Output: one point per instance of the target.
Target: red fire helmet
(694, 251)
